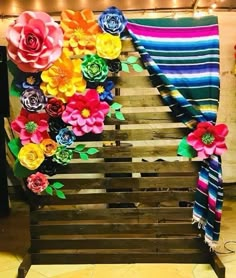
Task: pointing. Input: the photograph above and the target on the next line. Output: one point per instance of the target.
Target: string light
(213, 5)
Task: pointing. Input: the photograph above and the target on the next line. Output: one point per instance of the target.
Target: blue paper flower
(105, 93)
(65, 137)
(112, 21)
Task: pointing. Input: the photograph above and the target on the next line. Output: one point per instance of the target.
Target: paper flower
(54, 107)
(48, 167)
(208, 139)
(105, 93)
(32, 127)
(31, 156)
(114, 65)
(85, 113)
(33, 99)
(55, 124)
(108, 46)
(37, 182)
(63, 155)
(94, 68)
(80, 29)
(34, 41)
(48, 146)
(63, 78)
(65, 137)
(112, 21)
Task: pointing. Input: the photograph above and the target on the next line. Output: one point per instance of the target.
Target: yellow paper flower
(108, 46)
(48, 146)
(80, 30)
(63, 78)
(31, 156)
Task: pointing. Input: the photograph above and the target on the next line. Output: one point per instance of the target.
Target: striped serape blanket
(182, 58)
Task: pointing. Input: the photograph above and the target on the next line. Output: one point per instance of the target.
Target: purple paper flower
(114, 65)
(65, 137)
(112, 21)
(33, 99)
(55, 125)
(48, 167)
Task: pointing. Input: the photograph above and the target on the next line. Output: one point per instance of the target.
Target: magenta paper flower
(34, 41)
(208, 139)
(86, 113)
(32, 127)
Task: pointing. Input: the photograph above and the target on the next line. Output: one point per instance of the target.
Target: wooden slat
(134, 183)
(117, 215)
(136, 134)
(119, 197)
(143, 118)
(140, 100)
(161, 229)
(118, 243)
(132, 82)
(162, 167)
(116, 257)
(133, 151)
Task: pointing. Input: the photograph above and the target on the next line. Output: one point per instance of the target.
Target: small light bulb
(213, 5)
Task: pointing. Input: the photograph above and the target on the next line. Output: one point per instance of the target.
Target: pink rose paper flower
(86, 113)
(34, 41)
(37, 182)
(32, 127)
(208, 139)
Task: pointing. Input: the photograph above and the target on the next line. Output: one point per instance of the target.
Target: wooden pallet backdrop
(120, 209)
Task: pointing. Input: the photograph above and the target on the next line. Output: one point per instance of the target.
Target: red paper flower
(55, 107)
(85, 113)
(32, 127)
(37, 182)
(208, 139)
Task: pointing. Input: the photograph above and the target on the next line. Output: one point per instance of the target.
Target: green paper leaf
(14, 91)
(57, 185)
(119, 115)
(131, 59)
(49, 190)
(137, 68)
(83, 156)
(92, 151)
(20, 171)
(79, 148)
(124, 67)
(185, 149)
(116, 106)
(15, 146)
(60, 194)
(109, 114)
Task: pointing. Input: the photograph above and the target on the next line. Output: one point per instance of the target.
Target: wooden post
(4, 112)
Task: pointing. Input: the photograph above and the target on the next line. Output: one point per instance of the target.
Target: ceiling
(9, 8)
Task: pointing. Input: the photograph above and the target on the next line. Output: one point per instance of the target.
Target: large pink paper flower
(85, 113)
(34, 41)
(208, 139)
(32, 127)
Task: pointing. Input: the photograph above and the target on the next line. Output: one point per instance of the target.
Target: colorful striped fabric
(182, 58)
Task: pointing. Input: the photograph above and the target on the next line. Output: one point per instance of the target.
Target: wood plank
(119, 197)
(143, 118)
(119, 243)
(116, 215)
(115, 257)
(161, 229)
(140, 100)
(162, 167)
(132, 81)
(137, 134)
(134, 183)
(135, 151)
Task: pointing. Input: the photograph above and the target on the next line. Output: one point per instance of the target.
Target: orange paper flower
(80, 30)
(63, 78)
(108, 46)
(48, 146)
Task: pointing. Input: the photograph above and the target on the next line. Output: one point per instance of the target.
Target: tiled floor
(14, 241)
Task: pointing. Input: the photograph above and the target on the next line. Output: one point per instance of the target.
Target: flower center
(79, 32)
(30, 80)
(208, 138)
(32, 41)
(94, 68)
(31, 126)
(85, 113)
(100, 89)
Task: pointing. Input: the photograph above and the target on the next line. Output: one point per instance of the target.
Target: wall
(227, 108)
